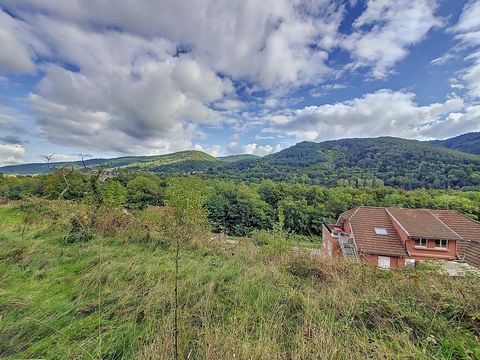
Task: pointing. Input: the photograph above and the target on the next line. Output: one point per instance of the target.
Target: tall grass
(235, 301)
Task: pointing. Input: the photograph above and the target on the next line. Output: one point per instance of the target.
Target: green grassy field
(113, 298)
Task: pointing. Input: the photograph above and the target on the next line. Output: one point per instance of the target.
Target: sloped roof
(347, 215)
(418, 223)
(423, 223)
(464, 226)
(467, 228)
(363, 220)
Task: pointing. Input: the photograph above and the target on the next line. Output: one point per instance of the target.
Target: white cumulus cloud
(467, 32)
(386, 29)
(213, 150)
(15, 54)
(11, 154)
(235, 147)
(382, 113)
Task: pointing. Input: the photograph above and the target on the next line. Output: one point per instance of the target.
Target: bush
(304, 266)
(80, 230)
(273, 242)
(143, 191)
(145, 226)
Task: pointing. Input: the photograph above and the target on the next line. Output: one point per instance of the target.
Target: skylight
(381, 231)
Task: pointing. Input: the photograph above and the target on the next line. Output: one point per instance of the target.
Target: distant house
(104, 176)
(395, 237)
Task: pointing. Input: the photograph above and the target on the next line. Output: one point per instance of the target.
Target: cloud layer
(118, 77)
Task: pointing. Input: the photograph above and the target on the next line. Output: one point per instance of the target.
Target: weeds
(231, 302)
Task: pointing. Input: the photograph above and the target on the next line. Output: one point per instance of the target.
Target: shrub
(142, 191)
(80, 229)
(114, 194)
(273, 242)
(304, 266)
(276, 241)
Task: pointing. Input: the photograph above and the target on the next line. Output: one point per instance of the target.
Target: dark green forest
(468, 143)
(392, 161)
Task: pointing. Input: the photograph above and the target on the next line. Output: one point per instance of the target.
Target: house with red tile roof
(394, 237)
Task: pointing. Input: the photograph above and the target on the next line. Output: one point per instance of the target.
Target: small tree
(114, 194)
(185, 198)
(281, 240)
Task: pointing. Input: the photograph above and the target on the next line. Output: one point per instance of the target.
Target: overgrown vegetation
(113, 296)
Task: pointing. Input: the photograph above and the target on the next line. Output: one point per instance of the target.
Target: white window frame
(421, 240)
(441, 242)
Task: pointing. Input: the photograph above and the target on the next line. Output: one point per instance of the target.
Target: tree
(185, 196)
(270, 192)
(296, 215)
(238, 209)
(142, 191)
(66, 184)
(114, 194)
(185, 199)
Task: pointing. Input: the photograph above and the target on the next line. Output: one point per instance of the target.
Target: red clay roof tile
(363, 221)
(467, 228)
(422, 223)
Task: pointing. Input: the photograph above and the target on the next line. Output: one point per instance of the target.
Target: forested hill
(393, 161)
(179, 162)
(469, 143)
(358, 162)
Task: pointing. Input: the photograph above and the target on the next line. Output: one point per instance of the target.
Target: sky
(106, 78)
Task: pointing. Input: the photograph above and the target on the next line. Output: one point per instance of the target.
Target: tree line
(240, 208)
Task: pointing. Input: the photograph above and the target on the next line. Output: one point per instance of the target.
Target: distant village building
(395, 237)
(104, 176)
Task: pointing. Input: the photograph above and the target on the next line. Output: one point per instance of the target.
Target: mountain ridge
(390, 160)
(194, 158)
(393, 161)
(468, 143)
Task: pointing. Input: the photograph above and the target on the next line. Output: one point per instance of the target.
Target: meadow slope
(112, 297)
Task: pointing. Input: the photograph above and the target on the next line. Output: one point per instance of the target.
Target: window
(441, 244)
(421, 242)
(410, 262)
(380, 231)
(384, 262)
